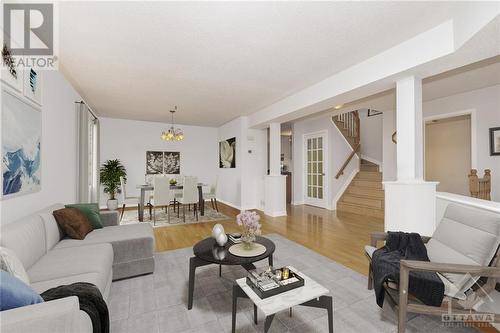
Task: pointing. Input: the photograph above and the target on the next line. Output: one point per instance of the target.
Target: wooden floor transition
(341, 237)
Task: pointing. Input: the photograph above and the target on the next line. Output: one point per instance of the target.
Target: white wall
(128, 141)
(58, 151)
(486, 106)
(242, 187)
(486, 103)
(229, 179)
(254, 165)
(338, 151)
(371, 137)
(389, 153)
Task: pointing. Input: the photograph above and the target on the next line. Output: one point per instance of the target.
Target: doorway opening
(448, 153)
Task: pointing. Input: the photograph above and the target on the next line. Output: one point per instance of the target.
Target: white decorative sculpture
(221, 239)
(219, 234)
(217, 230)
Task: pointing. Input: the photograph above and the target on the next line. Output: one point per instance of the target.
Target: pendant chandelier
(172, 134)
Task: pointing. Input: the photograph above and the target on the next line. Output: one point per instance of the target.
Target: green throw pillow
(91, 211)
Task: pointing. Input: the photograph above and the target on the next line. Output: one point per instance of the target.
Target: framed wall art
(11, 74)
(33, 85)
(163, 162)
(495, 141)
(21, 146)
(227, 153)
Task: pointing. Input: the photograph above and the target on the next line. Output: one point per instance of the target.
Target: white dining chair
(177, 192)
(189, 196)
(126, 200)
(212, 195)
(162, 195)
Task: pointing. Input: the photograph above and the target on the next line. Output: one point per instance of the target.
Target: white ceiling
(474, 76)
(220, 60)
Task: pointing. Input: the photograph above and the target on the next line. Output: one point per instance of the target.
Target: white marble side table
(312, 294)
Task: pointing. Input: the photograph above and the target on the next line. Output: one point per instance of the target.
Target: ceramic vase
(112, 204)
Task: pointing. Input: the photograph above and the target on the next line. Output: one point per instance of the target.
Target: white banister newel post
(410, 202)
(275, 186)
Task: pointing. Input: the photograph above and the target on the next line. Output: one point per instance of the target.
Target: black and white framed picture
(33, 85)
(227, 153)
(12, 74)
(163, 162)
(495, 141)
(171, 163)
(154, 162)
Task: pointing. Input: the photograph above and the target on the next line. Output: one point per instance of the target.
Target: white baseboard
(230, 204)
(344, 187)
(296, 203)
(369, 159)
(276, 214)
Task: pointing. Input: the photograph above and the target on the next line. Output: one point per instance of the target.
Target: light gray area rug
(211, 215)
(158, 302)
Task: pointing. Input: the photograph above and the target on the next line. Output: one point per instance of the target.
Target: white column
(409, 125)
(275, 185)
(410, 202)
(274, 149)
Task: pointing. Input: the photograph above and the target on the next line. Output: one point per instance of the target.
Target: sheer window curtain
(87, 154)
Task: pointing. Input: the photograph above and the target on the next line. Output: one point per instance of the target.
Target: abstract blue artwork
(21, 141)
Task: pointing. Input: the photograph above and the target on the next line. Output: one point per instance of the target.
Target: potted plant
(110, 174)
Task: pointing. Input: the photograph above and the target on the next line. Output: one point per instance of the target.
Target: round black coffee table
(207, 252)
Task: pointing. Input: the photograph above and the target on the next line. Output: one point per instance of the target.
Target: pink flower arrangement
(249, 221)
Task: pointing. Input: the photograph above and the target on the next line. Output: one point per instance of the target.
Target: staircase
(364, 195)
(348, 125)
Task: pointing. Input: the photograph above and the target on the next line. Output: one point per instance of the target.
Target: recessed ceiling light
(336, 107)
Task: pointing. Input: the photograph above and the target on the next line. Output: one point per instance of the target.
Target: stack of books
(235, 238)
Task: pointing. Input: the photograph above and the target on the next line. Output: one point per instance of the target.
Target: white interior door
(315, 158)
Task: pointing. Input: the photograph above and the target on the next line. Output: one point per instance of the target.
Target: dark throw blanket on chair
(425, 286)
(91, 302)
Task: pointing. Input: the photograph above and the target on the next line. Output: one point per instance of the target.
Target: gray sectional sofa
(111, 253)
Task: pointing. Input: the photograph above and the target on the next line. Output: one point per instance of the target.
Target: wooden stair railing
(351, 155)
(480, 187)
(349, 125)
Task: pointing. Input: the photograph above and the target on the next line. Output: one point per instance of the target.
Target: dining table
(149, 187)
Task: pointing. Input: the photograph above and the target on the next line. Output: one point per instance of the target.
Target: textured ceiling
(220, 60)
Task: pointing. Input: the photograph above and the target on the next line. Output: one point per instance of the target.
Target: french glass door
(315, 169)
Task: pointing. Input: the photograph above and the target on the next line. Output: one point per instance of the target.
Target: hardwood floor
(341, 237)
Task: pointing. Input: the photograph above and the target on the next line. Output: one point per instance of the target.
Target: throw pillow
(15, 293)
(73, 222)
(91, 210)
(10, 263)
